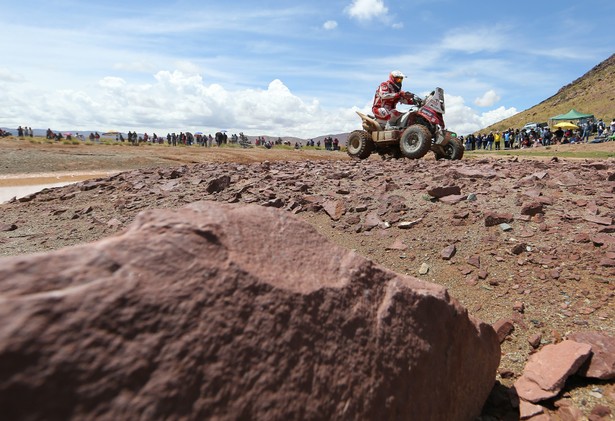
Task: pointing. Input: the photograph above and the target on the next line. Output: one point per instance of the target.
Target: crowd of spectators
(24, 132)
(172, 139)
(541, 136)
(331, 144)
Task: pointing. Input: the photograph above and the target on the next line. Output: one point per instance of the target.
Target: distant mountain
(592, 93)
(43, 132)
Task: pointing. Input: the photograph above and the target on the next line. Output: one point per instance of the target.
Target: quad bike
(418, 131)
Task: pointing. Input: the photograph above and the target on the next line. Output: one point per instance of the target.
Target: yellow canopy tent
(566, 125)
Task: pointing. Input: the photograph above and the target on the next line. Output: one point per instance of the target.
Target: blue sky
(285, 67)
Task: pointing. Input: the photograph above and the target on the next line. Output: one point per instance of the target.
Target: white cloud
(474, 40)
(137, 65)
(175, 101)
(464, 120)
(7, 76)
(488, 99)
(330, 24)
(364, 10)
(490, 117)
(112, 83)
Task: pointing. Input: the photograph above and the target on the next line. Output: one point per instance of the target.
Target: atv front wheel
(452, 150)
(460, 149)
(359, 144)
(415, 141)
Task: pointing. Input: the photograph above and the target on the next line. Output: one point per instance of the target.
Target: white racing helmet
(396, 77)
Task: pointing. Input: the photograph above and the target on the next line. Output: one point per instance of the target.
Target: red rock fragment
(547, 370)
(567, 411)
(601, 239)
(531, 208)
(601, 220)
(503, 328)
(453, 199)
(334, 208)
(529, 410)
(601, 364)
(474, 261)
(492, 218)
(398, 244)
(8, 227)
(448, 252)
(518, 248)
(534, 340)
(599, 413)
(439, 192)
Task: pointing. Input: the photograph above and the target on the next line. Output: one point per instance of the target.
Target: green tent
(571, 115)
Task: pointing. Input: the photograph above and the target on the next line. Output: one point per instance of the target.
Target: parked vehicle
(418, 131)
(533, 126)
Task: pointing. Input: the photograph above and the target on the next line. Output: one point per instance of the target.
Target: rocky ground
(526, 241)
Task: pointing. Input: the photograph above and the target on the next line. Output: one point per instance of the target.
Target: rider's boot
(389, 126)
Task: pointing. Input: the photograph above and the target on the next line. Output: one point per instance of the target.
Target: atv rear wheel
(452, 150)
(415, 141)
(359, 144)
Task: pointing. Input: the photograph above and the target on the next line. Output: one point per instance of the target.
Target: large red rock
(223, 312)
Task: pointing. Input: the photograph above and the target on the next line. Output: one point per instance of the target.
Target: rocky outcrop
(225, 311)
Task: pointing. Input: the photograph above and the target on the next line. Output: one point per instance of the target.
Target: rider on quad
(387, 96)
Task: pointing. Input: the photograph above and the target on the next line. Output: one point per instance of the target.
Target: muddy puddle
(21, 185)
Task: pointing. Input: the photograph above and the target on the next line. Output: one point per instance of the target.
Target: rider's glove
(417, 100)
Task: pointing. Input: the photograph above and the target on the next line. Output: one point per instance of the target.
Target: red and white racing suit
(385, 100)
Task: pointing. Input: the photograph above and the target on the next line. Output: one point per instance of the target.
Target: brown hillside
(592, 93)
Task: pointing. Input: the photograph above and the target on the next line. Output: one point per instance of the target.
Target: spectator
(546, 137)
(497, 140)
(586, 132)
(559, 135)
(489, 141)
(468, 142)
(601, 127)
(517, 137)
